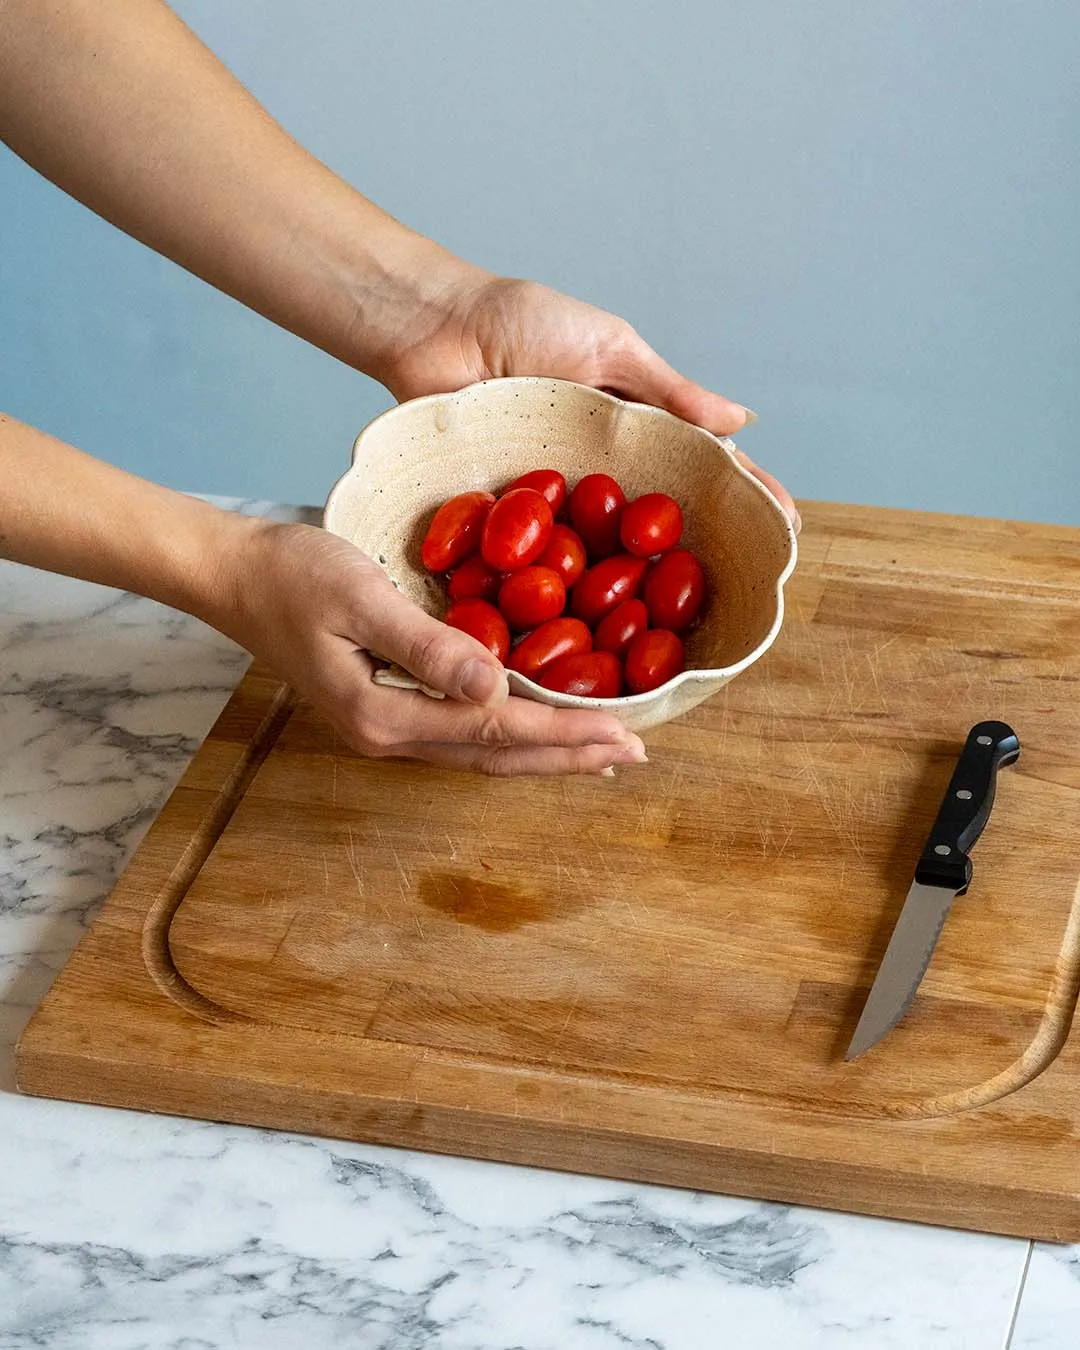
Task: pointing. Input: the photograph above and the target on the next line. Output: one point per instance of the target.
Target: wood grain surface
(654, 976)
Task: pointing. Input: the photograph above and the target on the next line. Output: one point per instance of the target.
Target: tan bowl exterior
(412, 458)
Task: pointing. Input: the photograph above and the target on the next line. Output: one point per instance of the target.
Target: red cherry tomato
(616, 632)
(565, 554)
(596, 504)
(548, 482)
(483, 622)
(549, 642)
(675, 590)
(586, 674)
(606, 585)
(654, 658)
(517, 530)
(455, 530)
(651, 524)
(473, 580)
(531, 596)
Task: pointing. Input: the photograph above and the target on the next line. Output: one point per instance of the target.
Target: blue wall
(859, 219)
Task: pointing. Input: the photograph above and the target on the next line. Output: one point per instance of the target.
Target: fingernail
(751, 417)
(609, 772)
(482, 683)
(632, 754)
(798, 520)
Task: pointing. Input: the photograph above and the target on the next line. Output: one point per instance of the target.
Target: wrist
(404, 291)
(209, 564)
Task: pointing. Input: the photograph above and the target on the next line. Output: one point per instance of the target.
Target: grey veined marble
(123, 1231)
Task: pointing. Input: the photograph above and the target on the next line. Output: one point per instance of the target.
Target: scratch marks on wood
(779, 848)
(355, 862)
(842, 807)
(403, 872)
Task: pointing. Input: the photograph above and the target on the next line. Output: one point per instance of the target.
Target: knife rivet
(943, 849)
(984, 740)
(964, 795)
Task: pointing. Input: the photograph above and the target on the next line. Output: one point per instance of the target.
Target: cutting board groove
(156, 952)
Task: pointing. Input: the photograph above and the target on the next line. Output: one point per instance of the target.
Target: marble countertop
(122, 1231)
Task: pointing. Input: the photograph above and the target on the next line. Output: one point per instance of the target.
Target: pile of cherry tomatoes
(598, 599)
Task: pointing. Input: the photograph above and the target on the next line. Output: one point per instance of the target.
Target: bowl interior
(412, 458)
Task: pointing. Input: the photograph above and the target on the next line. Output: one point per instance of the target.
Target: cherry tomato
(455, 530)
(483, 622)
(586, 674)
(596, 504)
(654, 658)
(675, 590)
(549, 642)
(565, 554)
(516, 530)
(651, 524)
(616, 632)
(606, 585)
(548, 482)
(473, 580)
(531, 596)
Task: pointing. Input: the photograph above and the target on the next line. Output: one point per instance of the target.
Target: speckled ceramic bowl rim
(723, 443)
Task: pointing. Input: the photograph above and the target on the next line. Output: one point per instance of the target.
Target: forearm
(123, 107)
(66, 512)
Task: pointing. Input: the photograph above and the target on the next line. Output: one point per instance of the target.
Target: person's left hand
(495, 326)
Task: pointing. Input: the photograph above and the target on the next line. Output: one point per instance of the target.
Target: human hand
(490, 326)
(312, 606)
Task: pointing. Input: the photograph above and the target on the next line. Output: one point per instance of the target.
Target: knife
(943, 873)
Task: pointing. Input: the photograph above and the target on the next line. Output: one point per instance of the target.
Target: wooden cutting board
(654, 976)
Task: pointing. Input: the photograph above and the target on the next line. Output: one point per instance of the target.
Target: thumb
(646, 377)
(440, 656)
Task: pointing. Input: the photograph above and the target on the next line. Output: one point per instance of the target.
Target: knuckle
(491, 731)
(372, 738)
(432, 650)
(622, 338)
(502, 764)
(493, 766)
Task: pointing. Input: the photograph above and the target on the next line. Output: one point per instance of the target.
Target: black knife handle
(966, 806)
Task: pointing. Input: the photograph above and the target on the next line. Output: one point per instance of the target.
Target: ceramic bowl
(409, 460)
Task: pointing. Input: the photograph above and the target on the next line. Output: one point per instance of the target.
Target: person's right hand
(311, 606)
(486, 327)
